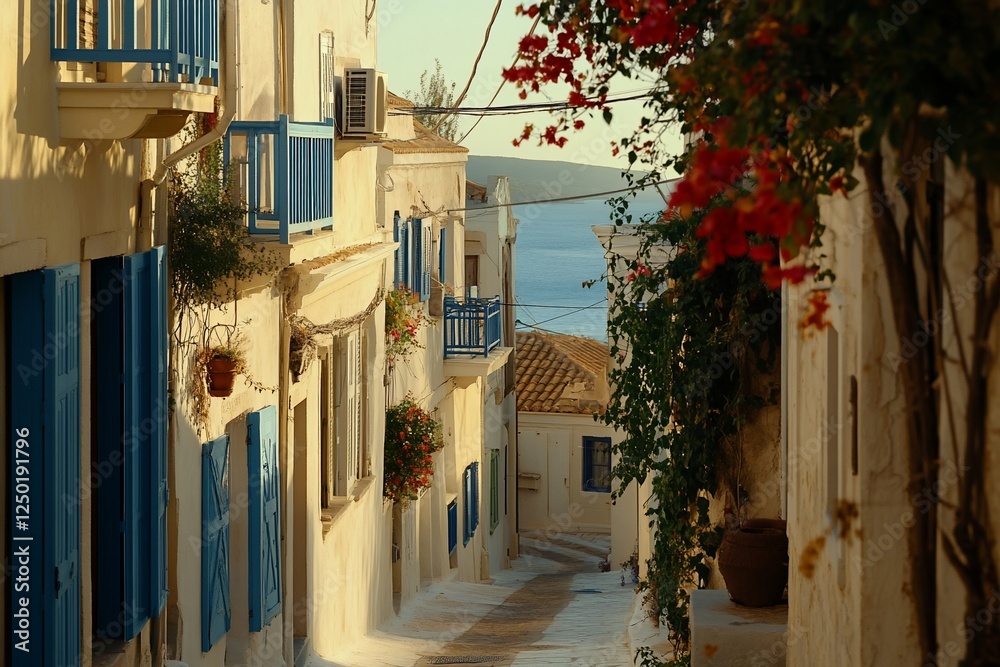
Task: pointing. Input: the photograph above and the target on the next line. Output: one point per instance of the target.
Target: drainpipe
(227, 112)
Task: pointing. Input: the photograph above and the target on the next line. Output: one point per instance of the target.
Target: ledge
(472, 366)
(724, 634)
(140, 110)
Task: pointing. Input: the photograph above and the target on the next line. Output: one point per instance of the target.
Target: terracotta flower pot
(754, 562)
(221, 376)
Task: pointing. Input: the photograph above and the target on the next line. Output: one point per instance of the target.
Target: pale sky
(412, 33)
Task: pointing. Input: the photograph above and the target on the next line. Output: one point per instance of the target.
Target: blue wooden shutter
(400, 252)
(45, 402)
(423, 251)
(406, 250)
(264, 516)
(158, 490)
(475, 496)
(418, 257)
(452, 526)
(137, 518)
(215, 610)
(442, 255)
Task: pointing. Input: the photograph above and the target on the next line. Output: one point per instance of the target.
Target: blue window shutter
(426, 255)
(45, 401)
(418, 257)
(137, 519)
(407, 252)
(466, 506)
(442, 255)
(400, 251)
(264, 516)
(452, 526)
(475, 496)
(159, 493)
(215, 610)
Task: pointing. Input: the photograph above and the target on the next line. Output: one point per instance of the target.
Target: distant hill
(533, 180)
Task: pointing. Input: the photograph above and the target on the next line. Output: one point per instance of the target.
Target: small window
(471, 271)
(328, 432)
(494, 489)
(350, 463)
(327, 78)
(597, 464)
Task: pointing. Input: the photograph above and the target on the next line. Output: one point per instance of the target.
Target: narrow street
(553, 607)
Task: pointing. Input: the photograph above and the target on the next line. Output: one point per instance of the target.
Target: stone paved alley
(553, 607)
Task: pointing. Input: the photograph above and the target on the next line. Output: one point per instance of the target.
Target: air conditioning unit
(365, 104)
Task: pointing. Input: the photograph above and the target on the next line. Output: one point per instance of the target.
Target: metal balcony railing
(286, 174)
(471, 325)
(178, 38)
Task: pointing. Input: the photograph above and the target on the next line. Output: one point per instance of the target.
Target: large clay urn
(753, 560)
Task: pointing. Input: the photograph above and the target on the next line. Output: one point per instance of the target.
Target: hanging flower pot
(753, 560)
(221, 376)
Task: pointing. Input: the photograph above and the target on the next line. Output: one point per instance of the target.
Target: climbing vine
(688, 350)
(801, 101)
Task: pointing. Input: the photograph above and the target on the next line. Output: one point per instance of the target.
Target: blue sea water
(556, 251)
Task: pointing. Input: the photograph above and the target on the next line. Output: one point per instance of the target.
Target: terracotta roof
(425, 142)
(559, 373)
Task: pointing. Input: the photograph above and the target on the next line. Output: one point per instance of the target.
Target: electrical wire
(537, 324)
(512, 109)
(475, 65)
(538, 305)
(503, 81)
(558, 199)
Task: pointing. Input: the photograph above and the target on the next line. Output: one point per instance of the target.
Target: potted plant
(630, 569)
(753, 559)
(224, 362)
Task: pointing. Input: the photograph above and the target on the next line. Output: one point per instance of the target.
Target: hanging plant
(411, 436)
(402, 324)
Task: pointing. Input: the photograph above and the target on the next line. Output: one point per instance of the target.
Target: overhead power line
(475, 65)
(511, 109)
(591, 195)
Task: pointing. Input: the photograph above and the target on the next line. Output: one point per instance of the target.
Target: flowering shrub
(411, 436)
(402, 322)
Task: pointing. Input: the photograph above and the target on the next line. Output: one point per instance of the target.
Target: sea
(556, 252)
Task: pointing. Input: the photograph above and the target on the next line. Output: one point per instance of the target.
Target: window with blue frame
(415, 255)
(597, 464)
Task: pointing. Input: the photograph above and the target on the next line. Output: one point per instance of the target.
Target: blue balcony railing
(178, 38)
(471, 326)
(286, 174)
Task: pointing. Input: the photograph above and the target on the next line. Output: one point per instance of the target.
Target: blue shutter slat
(46, 400)
(158, 439)
(442, 256)
(136, 442)
(215, 610)
(264, 516)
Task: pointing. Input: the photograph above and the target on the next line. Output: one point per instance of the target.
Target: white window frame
(327, 77)
(350, 465)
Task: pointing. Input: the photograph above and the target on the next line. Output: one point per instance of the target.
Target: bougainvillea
(402, 322)
(411, 437)
(779, 104)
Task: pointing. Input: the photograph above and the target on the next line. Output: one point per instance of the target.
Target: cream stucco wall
(859, 590)
(555, 441)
